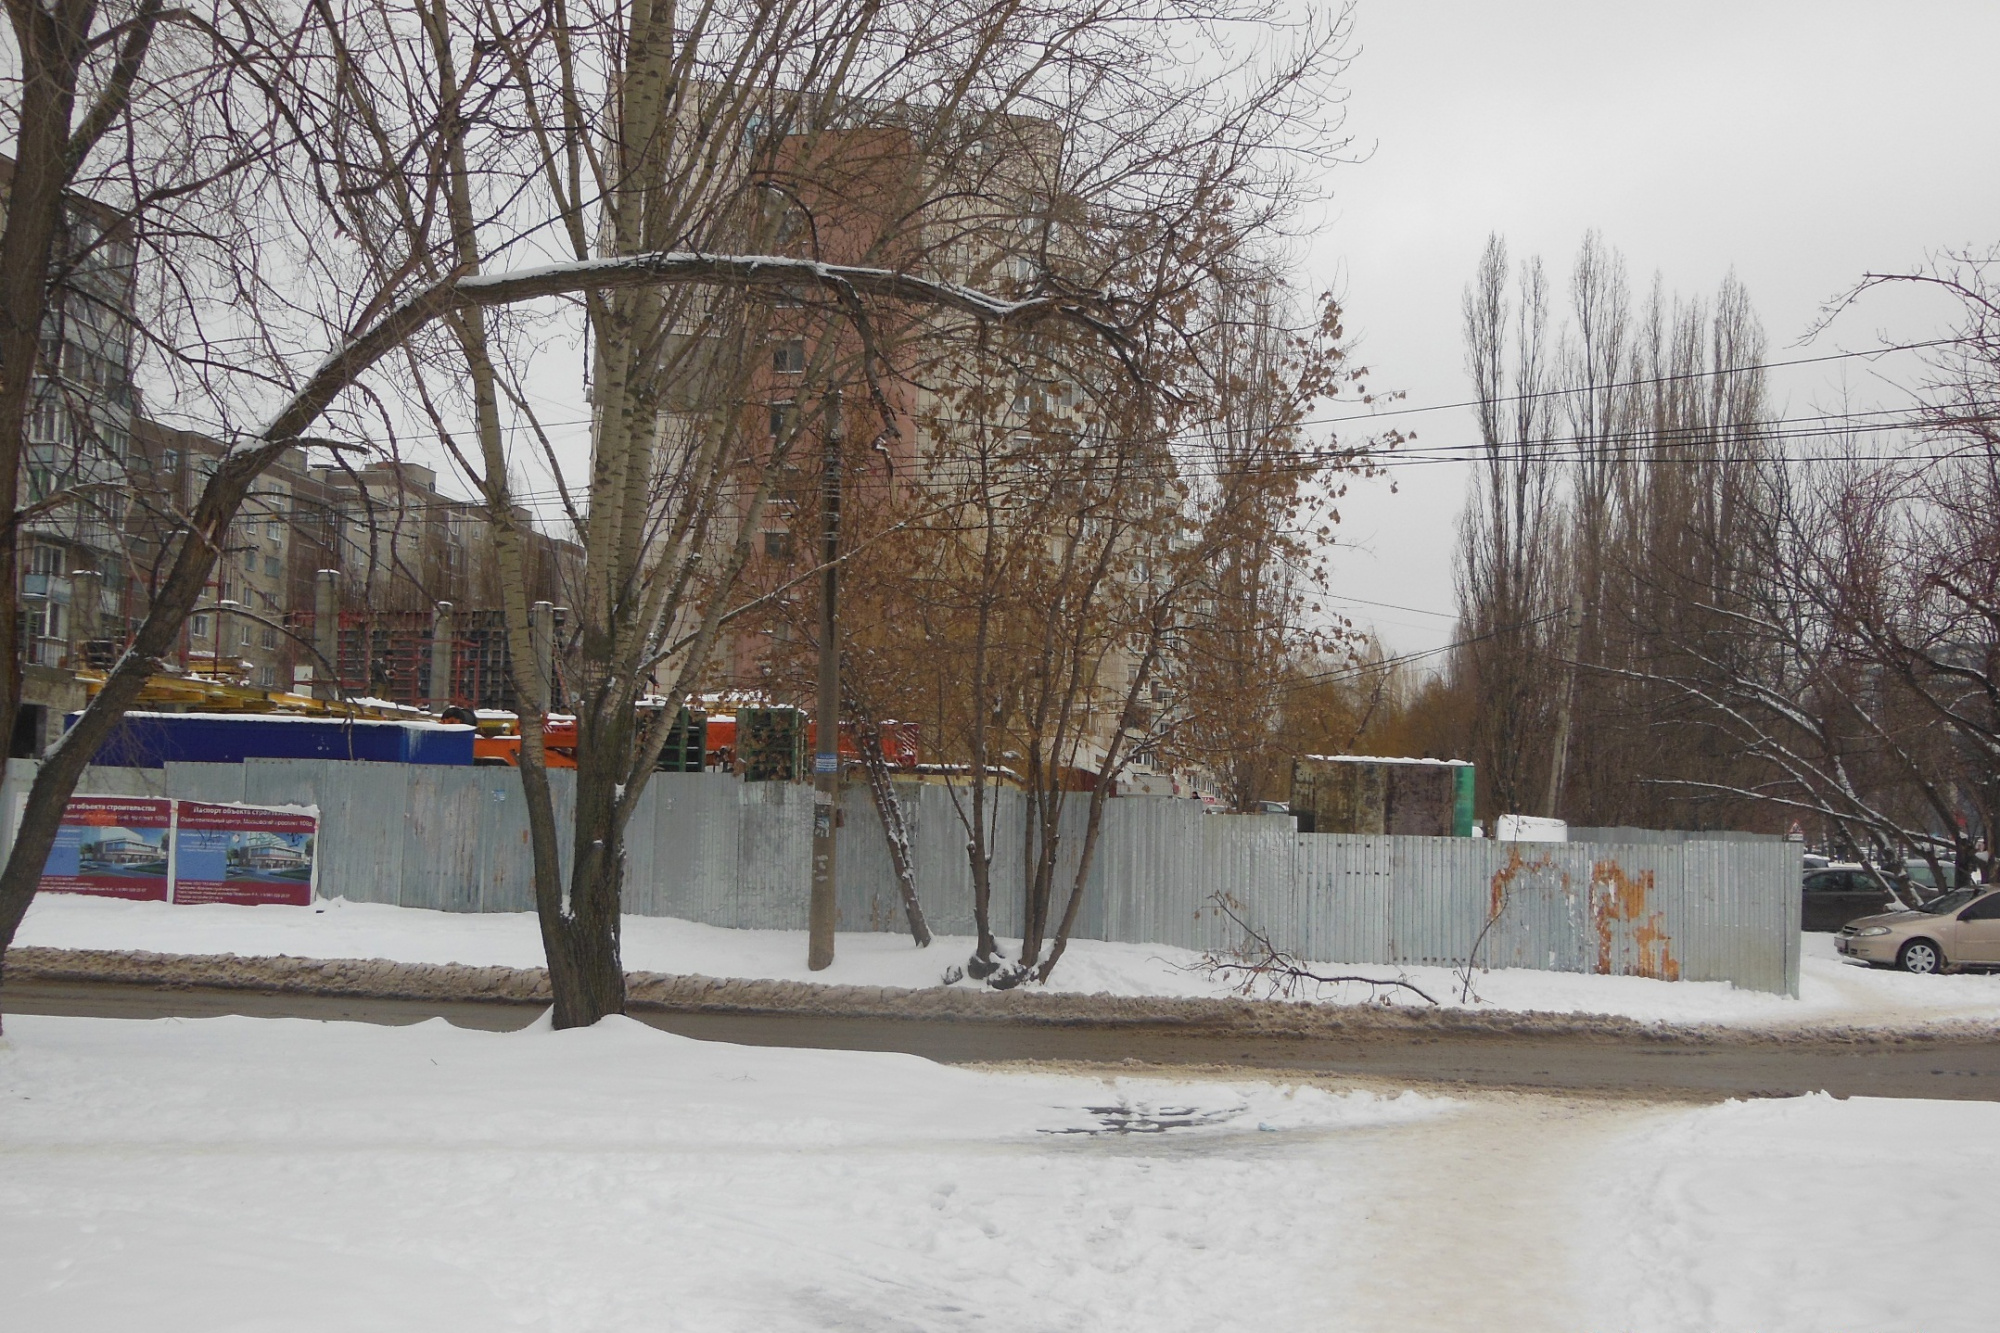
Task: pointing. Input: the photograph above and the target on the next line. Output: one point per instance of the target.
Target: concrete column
(85, 602)
(326, 635)
(441, 657)
(542, 633)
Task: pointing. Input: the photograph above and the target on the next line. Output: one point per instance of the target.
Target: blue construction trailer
(152, 740)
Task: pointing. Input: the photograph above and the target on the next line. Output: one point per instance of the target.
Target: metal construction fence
(709, 848)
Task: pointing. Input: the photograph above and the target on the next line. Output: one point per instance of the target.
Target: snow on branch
(665, 268)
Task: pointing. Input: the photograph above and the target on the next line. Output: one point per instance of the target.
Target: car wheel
(1921, 957)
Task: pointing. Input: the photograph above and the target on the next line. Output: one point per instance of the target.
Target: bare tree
(888, 138)
(1512, 558)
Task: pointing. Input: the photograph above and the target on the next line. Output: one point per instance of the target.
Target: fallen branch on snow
(1268, 972)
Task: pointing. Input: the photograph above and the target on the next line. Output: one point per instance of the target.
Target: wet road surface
(1958, 1067)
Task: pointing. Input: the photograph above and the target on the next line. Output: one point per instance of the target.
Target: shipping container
(1369, 794)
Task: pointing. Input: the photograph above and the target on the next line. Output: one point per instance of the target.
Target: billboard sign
(244, 854)
(111, 846)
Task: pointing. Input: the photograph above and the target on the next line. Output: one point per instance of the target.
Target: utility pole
(826, 750)
(441, 663)
(326, 635)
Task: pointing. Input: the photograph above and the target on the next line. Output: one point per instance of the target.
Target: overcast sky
(1800, 143)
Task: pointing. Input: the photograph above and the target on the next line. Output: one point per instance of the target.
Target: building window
(778, 545)
(267, 677)
(243, 637)
(170, 460)
(270, 637)
(789, 357)
(53, 424)
(199, 627)
(271, 566)
(275, 529)
(781, 419)
(47, 560)
(250, 561)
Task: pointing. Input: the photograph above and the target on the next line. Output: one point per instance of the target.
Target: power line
(1345, 673)
(1649, 380)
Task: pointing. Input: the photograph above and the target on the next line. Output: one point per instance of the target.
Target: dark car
(1839, 894)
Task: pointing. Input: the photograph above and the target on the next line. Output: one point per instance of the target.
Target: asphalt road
(1644, 1066)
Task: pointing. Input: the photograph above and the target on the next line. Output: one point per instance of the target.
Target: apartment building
(72, 484)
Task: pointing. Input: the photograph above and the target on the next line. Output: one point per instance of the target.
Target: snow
(1804, 1213)
(410, 717)
(248, 1174)
(1383, 759)
(575, 275)
(1831, 991)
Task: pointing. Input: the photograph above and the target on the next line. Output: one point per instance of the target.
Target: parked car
(1960, 929)
(1838, 894)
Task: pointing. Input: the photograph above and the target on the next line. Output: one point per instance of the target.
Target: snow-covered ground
(1831, 991)
(239, 1174)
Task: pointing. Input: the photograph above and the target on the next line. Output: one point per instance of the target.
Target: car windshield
(1951, 902)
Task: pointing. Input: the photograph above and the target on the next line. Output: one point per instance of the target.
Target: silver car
(1960, 929)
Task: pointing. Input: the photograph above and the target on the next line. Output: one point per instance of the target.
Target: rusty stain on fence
(1504, 877)
(1618, 898)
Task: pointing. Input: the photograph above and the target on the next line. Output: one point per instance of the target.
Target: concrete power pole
(441, 663)
(542, 637)
(326, 635)
(826, 751)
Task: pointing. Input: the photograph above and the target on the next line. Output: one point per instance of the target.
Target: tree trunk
(890, 811)
(586, 970)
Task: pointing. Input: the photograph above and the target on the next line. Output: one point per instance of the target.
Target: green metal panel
(1461, 814)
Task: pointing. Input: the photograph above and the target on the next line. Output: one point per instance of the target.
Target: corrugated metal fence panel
(641, 834)
(1006, 839)
(867, 896)
(937, 850)
(1438, 898)
(1637, 921)
(774, 860)
(1535, 902)
(110, 780)
(696, 846)
(504, 870)
(20, 776)
(282, 781)
(441, 838)
(209, 782)
(1242, 859)
(361, 811)
(1792, 872)
(1342, 900)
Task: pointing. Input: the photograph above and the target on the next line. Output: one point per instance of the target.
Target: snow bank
(1832, 991)
(238, 1173)
(250, 1174)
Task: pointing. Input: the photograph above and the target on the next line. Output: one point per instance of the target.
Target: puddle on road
(1127, 1118)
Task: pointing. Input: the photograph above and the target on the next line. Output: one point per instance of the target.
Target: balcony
(45, 588)
(40, 650)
